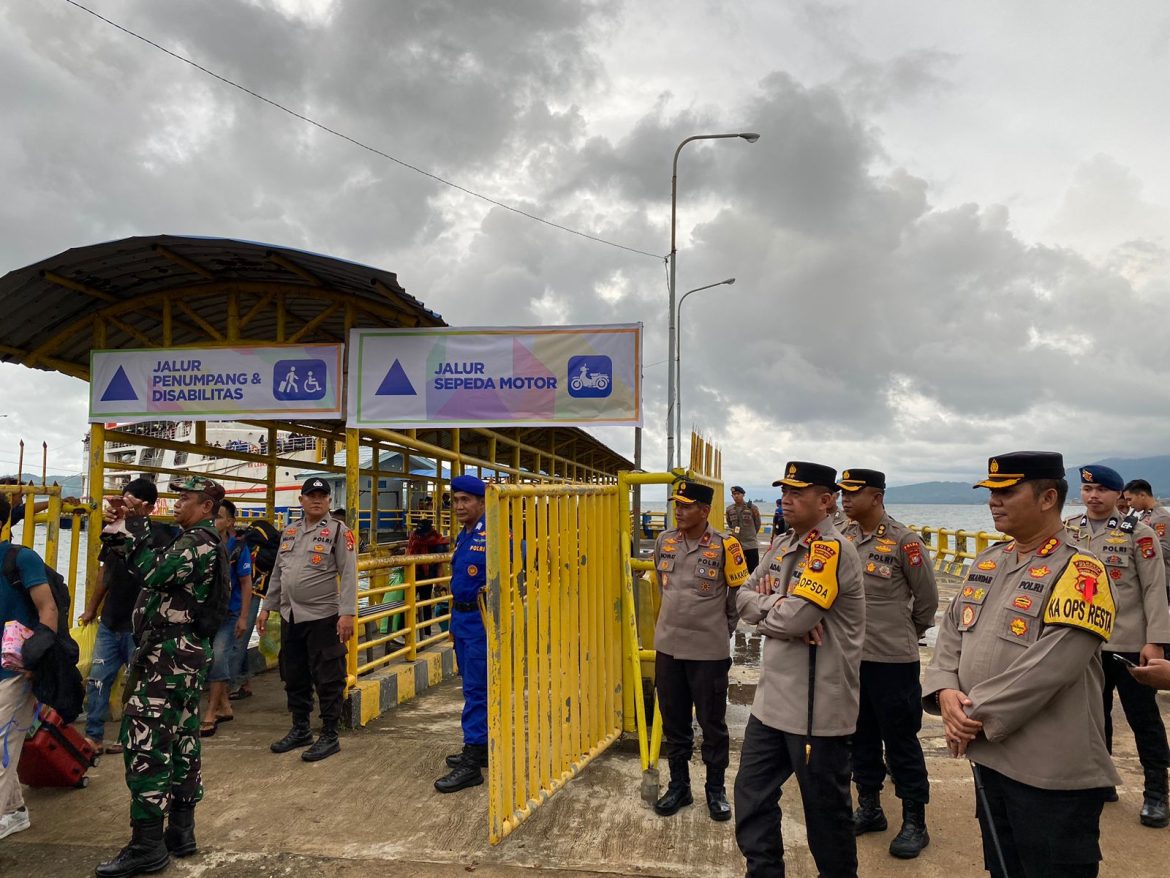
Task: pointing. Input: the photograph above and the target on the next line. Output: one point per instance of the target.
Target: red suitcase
(55, 755)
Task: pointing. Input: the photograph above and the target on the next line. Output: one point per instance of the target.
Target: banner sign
(495, 377)
(216, 384)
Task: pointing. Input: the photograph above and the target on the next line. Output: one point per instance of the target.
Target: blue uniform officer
(468, 578)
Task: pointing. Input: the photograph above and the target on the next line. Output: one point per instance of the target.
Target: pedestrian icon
(120, 389)
(396, 383)
(294, 380)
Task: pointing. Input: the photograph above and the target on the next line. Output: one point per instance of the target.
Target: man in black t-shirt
(118, 586)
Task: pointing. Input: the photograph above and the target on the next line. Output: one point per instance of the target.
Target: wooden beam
(132, 332)
(77, 286)
(288, 265)
(199, 321)
(261, 303)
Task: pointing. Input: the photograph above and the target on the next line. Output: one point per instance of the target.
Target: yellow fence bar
(552, 611)
(954, 550)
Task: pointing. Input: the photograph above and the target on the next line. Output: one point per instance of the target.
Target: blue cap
(468, 485)
(1103, 476)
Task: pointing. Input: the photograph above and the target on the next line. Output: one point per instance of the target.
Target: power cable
(355, 141)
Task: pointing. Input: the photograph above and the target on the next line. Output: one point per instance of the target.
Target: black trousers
(1042, 833)
(1141, 711)
(311, 655)
(683, 684)
(752, 557)
(768, 758)
(890, 715)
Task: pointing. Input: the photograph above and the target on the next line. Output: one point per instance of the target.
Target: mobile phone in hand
(1124, 660)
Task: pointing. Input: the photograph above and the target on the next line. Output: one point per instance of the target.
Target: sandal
(112, 748)
(206, 730)
(242, 692)
(225, 719)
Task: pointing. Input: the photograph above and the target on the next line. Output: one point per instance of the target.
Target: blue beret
(468, 485)
(1103, 476)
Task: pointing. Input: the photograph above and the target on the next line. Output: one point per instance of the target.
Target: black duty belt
(465, 606)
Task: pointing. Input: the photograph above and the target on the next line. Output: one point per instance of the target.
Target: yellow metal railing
(382, 606)
(49, 522)
(954, 550)
(552, 611)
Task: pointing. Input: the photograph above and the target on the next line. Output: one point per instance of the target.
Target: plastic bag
(85, 637)
(270, 639)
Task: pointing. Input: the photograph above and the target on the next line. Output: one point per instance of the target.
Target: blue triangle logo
(396, 383)
(120, 389)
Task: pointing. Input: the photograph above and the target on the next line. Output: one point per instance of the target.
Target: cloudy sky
(950, 240)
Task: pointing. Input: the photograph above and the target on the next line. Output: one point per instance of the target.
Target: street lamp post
(678, 361)
(671, 390)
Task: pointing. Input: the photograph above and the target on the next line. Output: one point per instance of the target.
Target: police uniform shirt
(744, 524)
(901, 595)
(698, 580)
(304, 578)
(1133, 558)
(469, 563)
(817, 579)
(1022, 639)
(1159, 519)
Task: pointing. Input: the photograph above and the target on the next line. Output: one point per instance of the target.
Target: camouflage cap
(202, 484)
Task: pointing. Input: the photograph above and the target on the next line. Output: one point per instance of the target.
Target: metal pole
(672, 340)
(678, 362)
(812, 688)
(982, 795)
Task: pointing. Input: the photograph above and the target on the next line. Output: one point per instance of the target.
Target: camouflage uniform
(160, 728)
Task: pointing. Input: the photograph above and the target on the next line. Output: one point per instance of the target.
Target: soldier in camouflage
(160, 729)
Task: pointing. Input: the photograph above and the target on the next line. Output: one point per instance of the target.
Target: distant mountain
(1155, 470)
(70, 484)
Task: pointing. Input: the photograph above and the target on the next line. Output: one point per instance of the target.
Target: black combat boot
(717, 805)
(180, 834)
(326, 744)
(467, 773)
(913, 837)
(1154, 811)
(300, 735)
(455, 758)
(869, 816)
(678, 793)
(147, 852)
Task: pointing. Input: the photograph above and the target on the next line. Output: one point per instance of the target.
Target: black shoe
(913, 837)
(465, 774)
(1154, 812)
(180, 832)
(1111, 794)
(478, 755)
(325, 745)
(717, 805)
(869, 816)
(676, 796)
(300, 735)
(146, 852)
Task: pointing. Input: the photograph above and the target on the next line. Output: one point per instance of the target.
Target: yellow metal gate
(554, 631)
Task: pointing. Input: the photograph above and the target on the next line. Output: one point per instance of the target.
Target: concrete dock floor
(372, 810)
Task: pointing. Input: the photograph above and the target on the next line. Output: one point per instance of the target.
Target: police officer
(160, 725)
(315, 555)
(1133, 559)
(743, 523)
(901, 598)
(1140, 497)
(468, 579)
(1016, 675)
(807, 600)
(699, 570)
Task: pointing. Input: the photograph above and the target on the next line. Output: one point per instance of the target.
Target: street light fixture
(671, 390)
(678, 359)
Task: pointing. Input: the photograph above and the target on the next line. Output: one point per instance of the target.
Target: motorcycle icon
(598, 381)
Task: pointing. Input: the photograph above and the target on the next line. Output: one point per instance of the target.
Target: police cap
(801, 474)
(1005, 470)
(315, 484)
(856, 479)
(687, 493)
(468, 485)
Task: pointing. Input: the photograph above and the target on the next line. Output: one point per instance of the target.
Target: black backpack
(262, 539)
(56, 680)
(208, 615)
